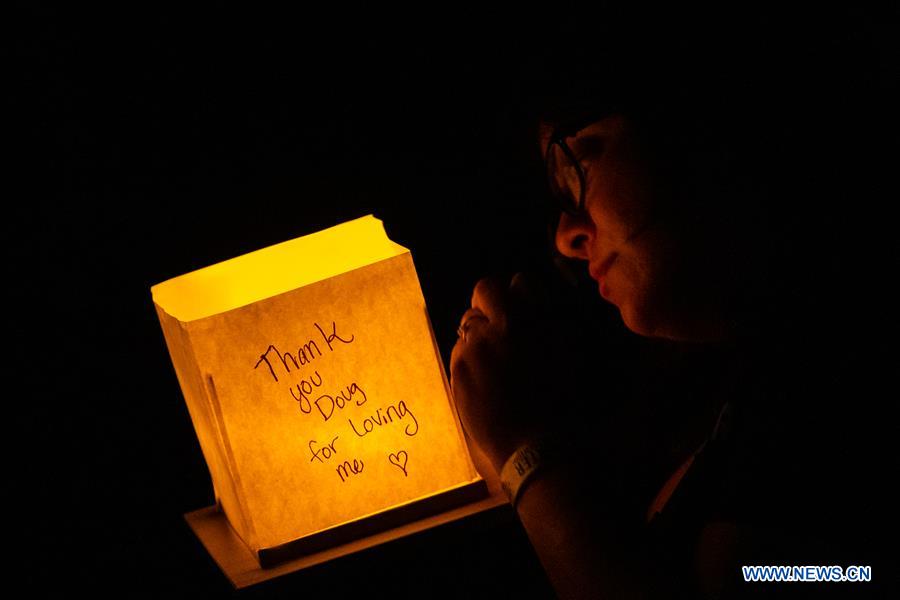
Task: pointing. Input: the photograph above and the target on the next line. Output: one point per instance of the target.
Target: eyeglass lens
(564, 177)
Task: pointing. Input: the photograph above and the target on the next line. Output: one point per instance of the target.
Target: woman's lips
(604, 289)
(599, 271)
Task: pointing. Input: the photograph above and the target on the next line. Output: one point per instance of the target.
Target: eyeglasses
(568, 182)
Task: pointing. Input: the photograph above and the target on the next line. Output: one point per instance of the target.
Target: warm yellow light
(275, 270)
(314, 384)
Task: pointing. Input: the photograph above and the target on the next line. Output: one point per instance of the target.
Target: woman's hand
(509, 368)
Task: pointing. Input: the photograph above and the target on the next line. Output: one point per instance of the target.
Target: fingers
(457, 365)
(467, 354)
(478, 325)
(496, 300)
(468, 318)
(471, 330)
(487, 321)
(490, 298)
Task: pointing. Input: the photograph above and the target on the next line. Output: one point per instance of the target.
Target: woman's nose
(574, 235)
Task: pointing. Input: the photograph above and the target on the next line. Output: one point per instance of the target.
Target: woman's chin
(649, 324)
(635, 321)
(646, 323)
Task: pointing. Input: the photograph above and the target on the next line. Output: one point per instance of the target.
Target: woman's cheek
(637, 315)
(634, 290)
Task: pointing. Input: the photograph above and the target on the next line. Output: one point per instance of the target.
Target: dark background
(160, 141)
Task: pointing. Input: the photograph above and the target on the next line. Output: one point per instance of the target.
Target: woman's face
(643, 264)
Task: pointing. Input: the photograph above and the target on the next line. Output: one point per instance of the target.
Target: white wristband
(526, 461)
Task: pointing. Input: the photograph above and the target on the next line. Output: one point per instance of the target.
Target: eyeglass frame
(570, 128)
(577, 120)
(558, 138)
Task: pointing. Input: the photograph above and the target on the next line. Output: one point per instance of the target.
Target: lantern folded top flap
(275, 270)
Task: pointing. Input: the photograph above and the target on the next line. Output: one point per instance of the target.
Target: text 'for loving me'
(310, 398)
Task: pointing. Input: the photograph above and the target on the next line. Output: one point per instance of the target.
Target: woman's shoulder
(779, 486)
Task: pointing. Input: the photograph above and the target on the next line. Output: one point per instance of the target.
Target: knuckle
(485, 288)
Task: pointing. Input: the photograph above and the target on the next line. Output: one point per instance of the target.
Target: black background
(159, 141)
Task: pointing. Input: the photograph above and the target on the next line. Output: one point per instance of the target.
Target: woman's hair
(691, 101)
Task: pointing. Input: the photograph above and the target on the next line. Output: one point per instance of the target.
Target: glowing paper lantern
(317, 392)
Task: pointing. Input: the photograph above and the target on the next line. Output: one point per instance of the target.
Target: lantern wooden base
(243, 569)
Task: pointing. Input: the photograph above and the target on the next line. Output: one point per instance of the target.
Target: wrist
(529, 460)
(499, 448)
(499, 451)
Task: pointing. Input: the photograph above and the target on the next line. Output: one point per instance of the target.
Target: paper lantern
(314, 383)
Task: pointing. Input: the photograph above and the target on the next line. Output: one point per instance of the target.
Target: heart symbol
(396, 458)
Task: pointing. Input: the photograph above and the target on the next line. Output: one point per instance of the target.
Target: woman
(664, 205)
